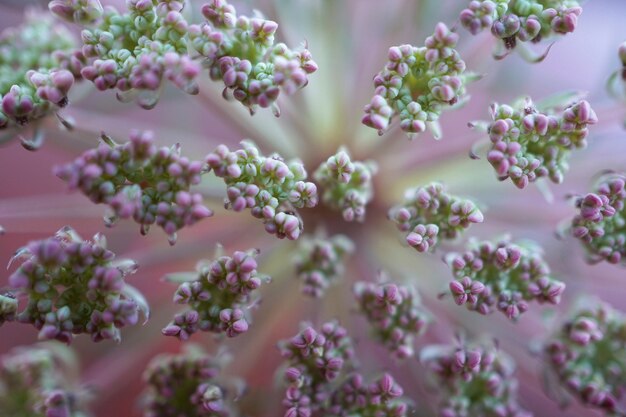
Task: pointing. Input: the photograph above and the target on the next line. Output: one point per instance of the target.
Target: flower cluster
(269, 186)
(417, 84)
(317, 385)
(140, 181)
(356, 398)
(347, 185)
(394, 312)
(219, 296)
(134, 51)
(315, 359)
(319, 262)
(512, 21)
(75, 286)
(37, 69)
(187, 384)
(474, 381)
(241, 52)
(601, 221)
(38, 381)
(589, 356)
(502, 276)
(429, 213)
(528, 142)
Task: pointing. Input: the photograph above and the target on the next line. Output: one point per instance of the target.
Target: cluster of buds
(588, 356)
(240, 51)
(39, 381)
(134, 51)
(219, 296)
(347, 185)
(269, 186)
(474, 381)
(320, 261)
(502, 276)
(140, 181)
(600, 221)
(511, 21)
(315, 360)
(429, 214)
(187, 384)
(394, 312)
(528, 143)
(38, 67)
(75, 286)
(356, 398)
(417, 84)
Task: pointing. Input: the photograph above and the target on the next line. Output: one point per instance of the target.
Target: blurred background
(349, 40)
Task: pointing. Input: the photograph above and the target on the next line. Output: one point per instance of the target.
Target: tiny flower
(219, 296)
(502, 276)
(429, 213)
(80, 11)
(73, 287)
(347, 186)
(417, 84)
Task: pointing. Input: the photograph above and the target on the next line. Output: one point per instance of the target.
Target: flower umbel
(474, 380)
(136, 50)
(187, 385)
(430, 214)
(241, 52)
(38, 66)
(219, 296)
(530, 20)
(39, 381)
(356, 398)
(503, 276)
(320, 261)
(417, 84)
(530, 141)
(75, 286)
(269, 186)
(601, 220)
(318, 385)
(314, 359)
(588, 354)
(347, 185)
(140, 181)
(394, 312)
